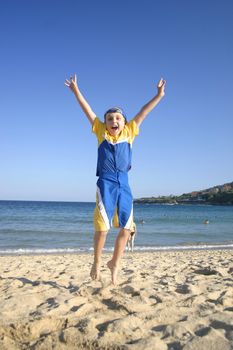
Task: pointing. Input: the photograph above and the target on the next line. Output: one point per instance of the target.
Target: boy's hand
(72, 83)
(161, 87)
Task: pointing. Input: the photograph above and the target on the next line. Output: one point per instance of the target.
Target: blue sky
(119, 50)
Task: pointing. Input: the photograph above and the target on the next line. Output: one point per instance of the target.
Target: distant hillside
(222, 194)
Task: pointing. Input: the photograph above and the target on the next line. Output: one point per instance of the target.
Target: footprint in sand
(182, 289)
(207, 271)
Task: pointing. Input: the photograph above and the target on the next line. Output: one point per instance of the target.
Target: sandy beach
(163, 300)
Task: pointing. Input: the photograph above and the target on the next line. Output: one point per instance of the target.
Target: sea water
(61, 227)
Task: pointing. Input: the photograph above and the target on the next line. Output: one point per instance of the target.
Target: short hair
(115, 110)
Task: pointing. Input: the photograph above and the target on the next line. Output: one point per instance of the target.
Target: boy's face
(115, 123)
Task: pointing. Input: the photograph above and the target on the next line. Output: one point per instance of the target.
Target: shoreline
(201, 247)
(162, 298)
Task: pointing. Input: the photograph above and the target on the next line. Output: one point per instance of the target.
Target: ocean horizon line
(44, 201)
(94, 202)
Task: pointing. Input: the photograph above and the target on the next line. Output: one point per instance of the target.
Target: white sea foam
(136, 248)
(189, 247)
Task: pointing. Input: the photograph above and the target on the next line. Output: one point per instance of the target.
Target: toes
(95, 273)
(114, 270)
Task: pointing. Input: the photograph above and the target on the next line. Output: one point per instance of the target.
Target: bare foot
(95, 271)
(114, 270)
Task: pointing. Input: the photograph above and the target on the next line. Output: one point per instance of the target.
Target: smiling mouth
(114, 127)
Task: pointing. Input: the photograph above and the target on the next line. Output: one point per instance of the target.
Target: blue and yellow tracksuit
(114, 200)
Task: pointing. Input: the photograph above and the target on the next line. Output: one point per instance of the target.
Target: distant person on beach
(113, 198)
(130, 242)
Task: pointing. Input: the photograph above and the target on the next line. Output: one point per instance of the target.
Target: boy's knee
(101, 233)
(125, 232)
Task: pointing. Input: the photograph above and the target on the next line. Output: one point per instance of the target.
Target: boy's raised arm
(151, 104)
(72, 84)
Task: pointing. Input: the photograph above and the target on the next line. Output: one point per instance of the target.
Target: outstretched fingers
(73, 81)
(67, 83)
(161, 83)
(161, 87)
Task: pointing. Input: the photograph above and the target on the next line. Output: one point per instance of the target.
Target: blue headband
(115, 110)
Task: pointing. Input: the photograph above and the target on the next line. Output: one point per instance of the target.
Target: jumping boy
(114, 199)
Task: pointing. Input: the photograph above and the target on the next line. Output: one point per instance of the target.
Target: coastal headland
(217, 195)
